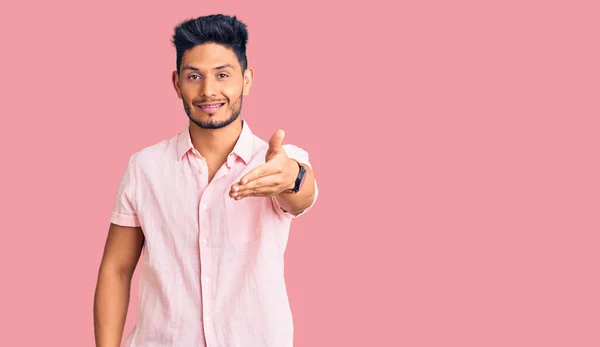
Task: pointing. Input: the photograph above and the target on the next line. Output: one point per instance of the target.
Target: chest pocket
(245, 219)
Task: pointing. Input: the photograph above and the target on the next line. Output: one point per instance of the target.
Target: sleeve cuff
(296, 215)
(124, 220)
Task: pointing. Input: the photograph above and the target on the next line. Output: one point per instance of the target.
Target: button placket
(205, 261)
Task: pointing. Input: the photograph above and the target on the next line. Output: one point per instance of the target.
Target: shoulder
(297, 153)
(154, 154)
(293, 151)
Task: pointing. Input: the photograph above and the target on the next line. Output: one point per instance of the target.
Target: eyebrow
(223, 66)
(189, 67)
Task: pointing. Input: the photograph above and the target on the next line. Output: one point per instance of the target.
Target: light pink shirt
(212, 268)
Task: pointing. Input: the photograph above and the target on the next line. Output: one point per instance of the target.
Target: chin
(215, 121)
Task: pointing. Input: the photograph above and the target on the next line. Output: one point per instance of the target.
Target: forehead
(209, 55)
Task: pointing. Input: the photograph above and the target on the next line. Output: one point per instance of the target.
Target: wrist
(294, 168)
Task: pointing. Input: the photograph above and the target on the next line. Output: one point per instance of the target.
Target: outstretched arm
(276, 177)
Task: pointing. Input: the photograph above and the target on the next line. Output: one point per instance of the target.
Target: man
(210, 208)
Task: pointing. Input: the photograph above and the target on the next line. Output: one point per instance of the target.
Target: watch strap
(299, 179)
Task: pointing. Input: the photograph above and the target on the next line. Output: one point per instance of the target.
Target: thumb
(275, 143)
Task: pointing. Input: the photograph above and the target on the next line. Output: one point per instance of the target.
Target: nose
(209, 87)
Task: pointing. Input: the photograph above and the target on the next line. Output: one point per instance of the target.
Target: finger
(249, 178)
(256, 192)
(276, 141)
(260, 187)
(256, 173)
(265, 181)
(260, 171)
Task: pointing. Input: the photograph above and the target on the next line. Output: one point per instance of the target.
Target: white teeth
(212, 106)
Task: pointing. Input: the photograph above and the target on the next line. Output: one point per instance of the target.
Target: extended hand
(276, 175)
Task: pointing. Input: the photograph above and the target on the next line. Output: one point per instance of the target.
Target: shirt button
(204, 207)
(207, 318)
(204, 241)
(205, 280)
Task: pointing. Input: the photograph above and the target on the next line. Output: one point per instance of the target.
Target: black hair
(221, 29)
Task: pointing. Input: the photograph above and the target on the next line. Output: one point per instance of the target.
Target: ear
(248, 79)
(175, 79)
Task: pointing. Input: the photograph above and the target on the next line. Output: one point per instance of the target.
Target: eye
(193, 77)
(223, 75)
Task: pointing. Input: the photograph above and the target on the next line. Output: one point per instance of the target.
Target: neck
(215, 142)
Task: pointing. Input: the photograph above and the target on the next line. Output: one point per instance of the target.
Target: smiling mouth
(211, 108)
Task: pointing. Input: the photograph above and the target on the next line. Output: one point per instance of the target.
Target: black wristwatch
(299, 179)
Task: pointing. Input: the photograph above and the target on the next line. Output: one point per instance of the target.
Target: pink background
(455, 143)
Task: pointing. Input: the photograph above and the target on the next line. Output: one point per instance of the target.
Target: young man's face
(211, 85)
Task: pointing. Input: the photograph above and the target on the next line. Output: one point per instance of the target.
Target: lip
(210, 107)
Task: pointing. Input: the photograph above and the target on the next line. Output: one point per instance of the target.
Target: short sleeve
(301, 156)
(123, 212)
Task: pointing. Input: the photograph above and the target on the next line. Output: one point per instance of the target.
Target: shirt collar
(243, 147)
